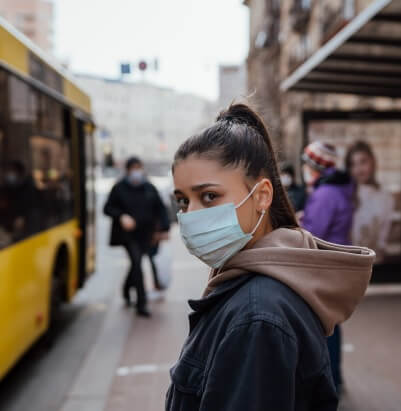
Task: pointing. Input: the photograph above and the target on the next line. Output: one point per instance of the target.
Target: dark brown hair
(240, 138)
(366, 148)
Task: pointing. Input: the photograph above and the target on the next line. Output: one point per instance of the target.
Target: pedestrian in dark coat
(328, 215)
(257, 336)
(137, 212)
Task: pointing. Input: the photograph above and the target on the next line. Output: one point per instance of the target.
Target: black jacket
(143, 203)
(297, 196)
(254, 345)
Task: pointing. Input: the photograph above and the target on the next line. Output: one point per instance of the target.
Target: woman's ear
(264, 195)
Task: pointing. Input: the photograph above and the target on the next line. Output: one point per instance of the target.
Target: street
(105, 358)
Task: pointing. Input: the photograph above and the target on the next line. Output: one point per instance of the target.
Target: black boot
(143, 312)
(126, 295)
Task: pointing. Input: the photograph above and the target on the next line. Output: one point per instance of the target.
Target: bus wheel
(57, 290)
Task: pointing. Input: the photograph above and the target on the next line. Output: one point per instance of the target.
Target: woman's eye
(182, 203)
(209, 197)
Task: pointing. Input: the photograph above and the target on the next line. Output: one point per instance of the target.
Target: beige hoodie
(331, 278)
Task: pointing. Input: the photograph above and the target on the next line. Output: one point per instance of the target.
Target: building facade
(283, 34)
(34, 18)
(142, 119)
(286, 33)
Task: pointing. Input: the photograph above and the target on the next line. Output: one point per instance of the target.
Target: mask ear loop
(263, 212)
(247, 197)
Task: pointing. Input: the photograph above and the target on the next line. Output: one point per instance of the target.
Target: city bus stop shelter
(363, 58)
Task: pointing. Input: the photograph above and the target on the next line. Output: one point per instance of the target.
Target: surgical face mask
(136, 176)
(286, 180)
(214, 234)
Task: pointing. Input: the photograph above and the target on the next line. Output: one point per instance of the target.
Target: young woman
(257, 337)
(374, 206)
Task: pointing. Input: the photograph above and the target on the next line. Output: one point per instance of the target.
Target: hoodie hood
(331, 278)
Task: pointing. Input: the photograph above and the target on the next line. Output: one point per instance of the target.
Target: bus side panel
(25, 277)
(13, 51)
(72, 93)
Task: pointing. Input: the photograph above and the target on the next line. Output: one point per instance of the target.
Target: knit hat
(320, 155)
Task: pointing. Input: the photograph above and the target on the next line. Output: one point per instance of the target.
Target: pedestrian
(296, 192)
(257, 336)
(328, 215)
(136, 209)
(374, 205)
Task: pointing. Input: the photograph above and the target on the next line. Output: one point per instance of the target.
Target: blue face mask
(136, 176)
(214, 234)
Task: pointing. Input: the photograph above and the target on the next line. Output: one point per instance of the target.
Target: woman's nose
(194, 206)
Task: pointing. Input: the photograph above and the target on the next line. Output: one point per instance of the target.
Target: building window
(334, 17)
(305, 4)
(269, 35)
(300, 15)
(349, 9)
(260, 40)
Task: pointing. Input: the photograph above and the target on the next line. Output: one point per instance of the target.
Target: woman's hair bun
(241, 114)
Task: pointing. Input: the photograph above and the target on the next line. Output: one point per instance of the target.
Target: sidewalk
(372, 353)
(153, 345)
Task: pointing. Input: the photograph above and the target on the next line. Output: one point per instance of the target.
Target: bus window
(18, 193)
(53, 178)
(51, 117)
(36, 189)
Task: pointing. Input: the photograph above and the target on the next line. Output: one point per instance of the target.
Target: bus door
(87, 200)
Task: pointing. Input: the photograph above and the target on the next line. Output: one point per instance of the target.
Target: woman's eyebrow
(200, 187)
(178, 192)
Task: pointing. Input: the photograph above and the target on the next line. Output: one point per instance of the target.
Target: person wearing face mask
(296, 193)
(257, 335)
(137, 212)
(328, 215)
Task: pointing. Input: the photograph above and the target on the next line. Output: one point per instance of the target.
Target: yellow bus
(47, 203)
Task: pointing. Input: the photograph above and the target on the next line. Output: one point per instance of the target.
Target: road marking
(98, 307)
(142, 369)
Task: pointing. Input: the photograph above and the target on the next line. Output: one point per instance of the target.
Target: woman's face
(202, 183)
(362, 167)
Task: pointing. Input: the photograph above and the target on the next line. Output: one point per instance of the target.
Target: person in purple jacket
(328, 215)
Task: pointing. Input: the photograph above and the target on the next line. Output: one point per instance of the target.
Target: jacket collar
(334, 176)
(218, 294)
